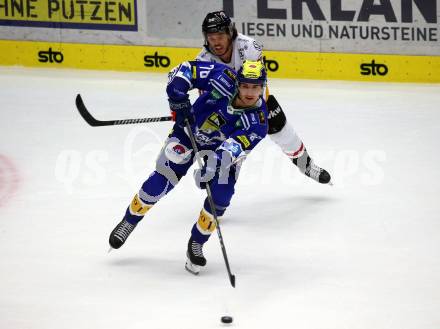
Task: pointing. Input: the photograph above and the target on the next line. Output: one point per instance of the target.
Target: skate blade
(192, 268)
(110, 250)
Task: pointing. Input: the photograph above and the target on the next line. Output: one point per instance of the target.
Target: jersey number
(204, 71)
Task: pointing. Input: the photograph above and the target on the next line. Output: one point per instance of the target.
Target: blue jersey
(219, 126)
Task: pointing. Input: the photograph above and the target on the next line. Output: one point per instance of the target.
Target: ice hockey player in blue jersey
(227, 121)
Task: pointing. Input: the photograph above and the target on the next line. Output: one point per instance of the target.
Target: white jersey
(243, 48)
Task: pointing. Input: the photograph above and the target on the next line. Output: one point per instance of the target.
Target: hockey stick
(98, 123)
(211, 204)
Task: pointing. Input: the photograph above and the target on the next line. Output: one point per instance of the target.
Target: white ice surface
(364, 253)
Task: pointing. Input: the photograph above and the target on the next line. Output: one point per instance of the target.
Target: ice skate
(317, 173)
(308, 167)
(120, 234)
(195, 259)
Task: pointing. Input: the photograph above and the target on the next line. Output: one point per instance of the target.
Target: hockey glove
(182, 110)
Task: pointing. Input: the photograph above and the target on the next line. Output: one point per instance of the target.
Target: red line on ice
(9, 179)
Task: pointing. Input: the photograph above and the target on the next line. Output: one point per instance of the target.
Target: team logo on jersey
(213, 123)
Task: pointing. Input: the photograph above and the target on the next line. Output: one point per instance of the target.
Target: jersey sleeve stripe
(245, 121)
(220, 88)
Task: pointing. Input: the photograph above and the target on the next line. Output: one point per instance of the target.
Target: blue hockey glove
(182, 110)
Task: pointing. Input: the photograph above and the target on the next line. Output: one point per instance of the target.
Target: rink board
(280, 64)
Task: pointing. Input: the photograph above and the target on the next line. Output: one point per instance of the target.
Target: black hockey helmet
(218, 21)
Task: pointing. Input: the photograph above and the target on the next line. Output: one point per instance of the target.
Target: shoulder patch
(244, 141)
(230, 74)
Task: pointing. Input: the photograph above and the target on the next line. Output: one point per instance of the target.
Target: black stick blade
(87, 116)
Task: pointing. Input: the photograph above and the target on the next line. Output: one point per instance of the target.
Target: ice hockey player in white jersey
(223, 44)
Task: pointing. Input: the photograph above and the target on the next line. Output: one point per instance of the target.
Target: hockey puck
(226, 319)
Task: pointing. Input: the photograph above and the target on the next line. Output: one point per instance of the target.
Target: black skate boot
(317, 173)
(120, 234)
(195, 257)
(310, 169)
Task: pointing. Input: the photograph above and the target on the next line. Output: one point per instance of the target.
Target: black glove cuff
(178, 105)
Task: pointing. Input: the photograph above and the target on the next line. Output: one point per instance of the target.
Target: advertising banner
(365, 40)
(354, 26)
(279, 64)
(401, 27)
(73, 14)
